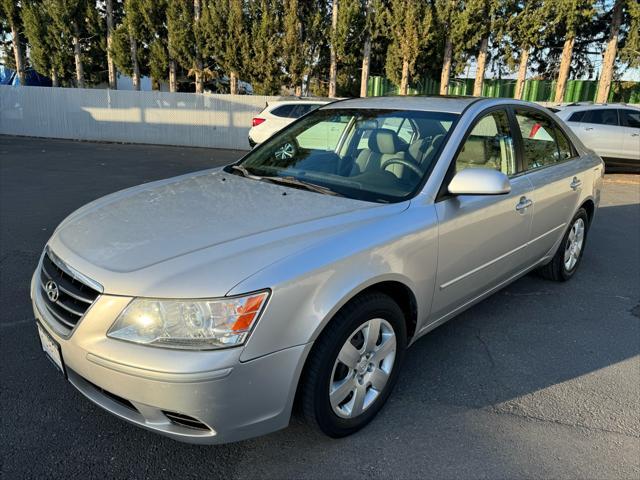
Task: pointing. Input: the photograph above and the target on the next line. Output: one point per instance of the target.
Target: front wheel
(354, 365)
(566, 260)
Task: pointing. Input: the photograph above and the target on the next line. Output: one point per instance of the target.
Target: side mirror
(479, 181)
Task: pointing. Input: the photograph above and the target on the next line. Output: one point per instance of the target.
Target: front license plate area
(51, 349)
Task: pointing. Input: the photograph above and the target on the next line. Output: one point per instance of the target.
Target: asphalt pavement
(541, 380)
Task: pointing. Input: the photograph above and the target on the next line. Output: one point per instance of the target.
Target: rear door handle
(575, 183)
(523, 204)
(635, 134)
(588, 128)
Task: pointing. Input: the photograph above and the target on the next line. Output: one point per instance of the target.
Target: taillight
(534, 130)
(257, 121)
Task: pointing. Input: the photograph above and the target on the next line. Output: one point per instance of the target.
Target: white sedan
(611, 130)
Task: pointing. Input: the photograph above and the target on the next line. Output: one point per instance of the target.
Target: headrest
(473, 151)
(385, 141)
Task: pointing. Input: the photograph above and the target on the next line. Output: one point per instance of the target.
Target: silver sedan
(203, 306)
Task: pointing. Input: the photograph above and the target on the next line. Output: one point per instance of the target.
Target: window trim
(443, 192)
(520, 140)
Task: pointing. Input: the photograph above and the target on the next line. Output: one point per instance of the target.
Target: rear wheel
(567, 259)
(354, 365)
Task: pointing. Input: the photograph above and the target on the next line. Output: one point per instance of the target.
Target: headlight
(190, 324)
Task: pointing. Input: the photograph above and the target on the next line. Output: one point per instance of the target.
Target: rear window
(284, 111)
(630, 118)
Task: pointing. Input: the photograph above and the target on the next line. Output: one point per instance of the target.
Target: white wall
(217, 121)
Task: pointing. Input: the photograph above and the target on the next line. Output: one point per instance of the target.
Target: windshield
(371, 155)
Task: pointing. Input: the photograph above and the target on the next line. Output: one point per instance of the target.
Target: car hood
(198, 234)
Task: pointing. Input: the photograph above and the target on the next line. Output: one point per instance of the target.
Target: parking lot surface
(541, 380)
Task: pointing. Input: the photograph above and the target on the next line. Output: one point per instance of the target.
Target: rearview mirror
(479, 181)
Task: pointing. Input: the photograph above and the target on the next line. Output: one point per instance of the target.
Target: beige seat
(383, 145)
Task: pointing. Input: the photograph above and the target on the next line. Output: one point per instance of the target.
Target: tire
(560, 269)
(324, 371)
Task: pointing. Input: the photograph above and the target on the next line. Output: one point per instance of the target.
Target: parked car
(612, 131)
(277, 115)
(202, 306)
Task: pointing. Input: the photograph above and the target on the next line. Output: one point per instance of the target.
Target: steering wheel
(411, 165)
(287, 150)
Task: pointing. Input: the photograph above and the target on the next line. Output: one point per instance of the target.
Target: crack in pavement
(497, 411)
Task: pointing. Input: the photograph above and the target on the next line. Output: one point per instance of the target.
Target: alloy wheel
(362, 369)
(575, 241)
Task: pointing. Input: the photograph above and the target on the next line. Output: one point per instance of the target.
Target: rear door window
(542, 141)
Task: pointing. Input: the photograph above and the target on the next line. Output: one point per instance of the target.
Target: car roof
(298, 101)
(596, 106)
(450, 104)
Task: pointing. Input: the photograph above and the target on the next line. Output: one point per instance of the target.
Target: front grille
(185, 420)
(73, 298)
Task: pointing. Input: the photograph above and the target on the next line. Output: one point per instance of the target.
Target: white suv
(612, 130)
(277, 115)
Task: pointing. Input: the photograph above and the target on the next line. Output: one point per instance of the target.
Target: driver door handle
(588, 128)
(575, 183)
(523, 204)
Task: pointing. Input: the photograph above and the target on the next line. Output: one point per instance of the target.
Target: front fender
(308, 288)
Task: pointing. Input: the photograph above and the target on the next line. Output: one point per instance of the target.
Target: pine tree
(480, 18)
(625, 30)
(373, 30)
(265, 69)
(570, 16)
(10, 14)
(188, 29)
(49, 52)
(111, 66)
(448, 15)
(292, 48)
(229, 49)
(524, 28)
(409, 25)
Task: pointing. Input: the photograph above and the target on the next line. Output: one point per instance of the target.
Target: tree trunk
(565, 66)
(522, 72)
(198, 67)
(298, 91)
(173, 79)
(404, 81)
(446, 67)
(78, 56)
(606, 75)
(333, 67)
(135, 66)
(233, 83)
(54, 78)
(366, 60)
(111, 66)
(482, 62)
(18, 54)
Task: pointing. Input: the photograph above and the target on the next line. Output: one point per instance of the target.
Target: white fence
(217, 121)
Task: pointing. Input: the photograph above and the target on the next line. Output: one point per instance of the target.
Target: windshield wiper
(297, 183)
(244, 172)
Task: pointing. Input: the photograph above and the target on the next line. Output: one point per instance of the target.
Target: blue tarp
(33, 78)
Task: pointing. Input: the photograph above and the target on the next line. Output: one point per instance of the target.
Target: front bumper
(194, 396)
